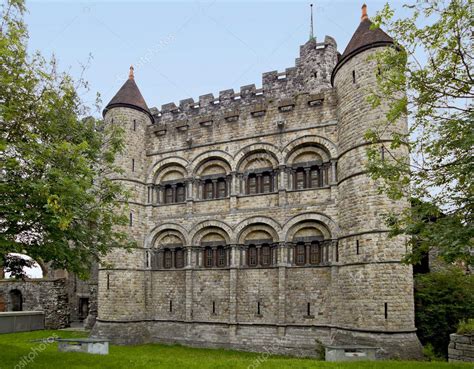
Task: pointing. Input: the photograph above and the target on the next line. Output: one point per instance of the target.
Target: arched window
(300, 179)
(167, 259)
(221, 257)
(221, 188)
(169, 194)
(180, 192)
(266, 255)
(266, 183)
(252, 184)
(315, 253)
(252, 256)
(314, 177)
(208, 257)
(300, 257)
(179, 258)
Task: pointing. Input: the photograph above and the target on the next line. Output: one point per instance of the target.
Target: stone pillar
(333, 172)
(189, 190)
(243, 259)
(282, 177)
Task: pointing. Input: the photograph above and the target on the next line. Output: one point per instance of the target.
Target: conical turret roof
(129, 96)
(363, 38)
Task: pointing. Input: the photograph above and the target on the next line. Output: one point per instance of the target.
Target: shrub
(466, 327)
(442, 300)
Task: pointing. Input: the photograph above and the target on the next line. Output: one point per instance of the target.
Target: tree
(57, 203)
(428, 78)
(442, 300)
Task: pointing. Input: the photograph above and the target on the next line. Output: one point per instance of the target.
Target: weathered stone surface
(357, 291)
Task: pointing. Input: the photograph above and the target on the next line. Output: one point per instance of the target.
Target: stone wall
(358, 292)
(461, 348)
(50, 296)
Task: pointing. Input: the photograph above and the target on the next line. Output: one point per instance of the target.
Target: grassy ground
(14, 348)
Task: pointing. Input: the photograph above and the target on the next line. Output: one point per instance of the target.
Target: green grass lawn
(15, 346)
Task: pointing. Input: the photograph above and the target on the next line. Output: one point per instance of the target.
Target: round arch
(211, 226)
(159, 231)
(271, 151)
(158, 167)
(323, 220)
(202, 159)
(266, 224)
(324, 143)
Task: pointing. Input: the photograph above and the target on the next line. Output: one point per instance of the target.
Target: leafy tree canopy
(429, 80)
(56, 203)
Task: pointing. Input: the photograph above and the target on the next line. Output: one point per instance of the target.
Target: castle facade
(256, 221)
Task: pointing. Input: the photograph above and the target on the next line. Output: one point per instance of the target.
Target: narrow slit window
(131, 220)
(134, 125)
(133, 165)
(308, 309)
(258, 308)
(386, 310)
(108, 281)
(171, 306)
(353, 76)
(357, 247)
(213, 307)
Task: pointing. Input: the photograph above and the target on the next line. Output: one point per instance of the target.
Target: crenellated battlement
(311, 75)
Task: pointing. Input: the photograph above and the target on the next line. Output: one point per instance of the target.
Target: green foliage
(56, 201)
(430, 354)
(442, 300)
(14, 346)
(428, 79)
(466, 327)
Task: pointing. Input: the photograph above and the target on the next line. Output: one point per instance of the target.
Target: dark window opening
(357, 247)
(133, 165)
(213, 307)
(221, 257)
(179, 258)
(315, 253)
(134, 125)
(209, 257)
(252, 184)
(171, 306)
(167, 259)
(258, 308)
(353, 76)
(266, 255)
(252, 256)
(180, 192)
(300, 254)
(108, 281)
(130, 222)
(221, 188)
(308, 309)
(386, 310)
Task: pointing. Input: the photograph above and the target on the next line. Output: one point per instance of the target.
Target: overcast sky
(183, 49)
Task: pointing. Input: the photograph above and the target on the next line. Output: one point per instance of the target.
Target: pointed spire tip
(364, 15)
(130, 74)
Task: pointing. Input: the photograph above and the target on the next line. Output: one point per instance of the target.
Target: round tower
(122, 286)
(374, 302)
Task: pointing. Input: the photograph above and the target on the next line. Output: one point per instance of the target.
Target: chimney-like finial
(364, 13)
(130, 74)
(311, 33)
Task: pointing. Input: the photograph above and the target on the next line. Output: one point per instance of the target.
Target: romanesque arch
(314, 140)
(162, 230)
(206, 229)
(255, 224)
(320, 221)
(265, 152)
(171, 161)
(201, 162)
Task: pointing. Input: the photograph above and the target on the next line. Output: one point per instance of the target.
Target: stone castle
(257, 224)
